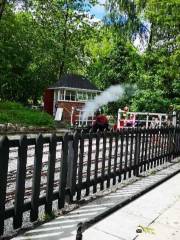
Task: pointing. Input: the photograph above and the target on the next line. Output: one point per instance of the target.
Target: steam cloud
(111, 94)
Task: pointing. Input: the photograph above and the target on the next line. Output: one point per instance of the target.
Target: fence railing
(35, 172)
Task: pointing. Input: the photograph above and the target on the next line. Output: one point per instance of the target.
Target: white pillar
(147, 120)
(72, 113)
(160, 120)
(119, 118)
(174, 119)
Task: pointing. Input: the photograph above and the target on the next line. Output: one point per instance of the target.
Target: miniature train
(125, 119)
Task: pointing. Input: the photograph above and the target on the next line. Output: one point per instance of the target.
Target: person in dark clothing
(101, 122)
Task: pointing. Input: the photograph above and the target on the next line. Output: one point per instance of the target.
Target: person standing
(101, 122)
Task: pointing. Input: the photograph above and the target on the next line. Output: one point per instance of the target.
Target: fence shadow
(37, 172)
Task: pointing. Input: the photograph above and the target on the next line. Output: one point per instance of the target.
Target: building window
(80, 96)
(67, 96)
(60, 94)
(73, 96)
(90, 96)
(70, 95)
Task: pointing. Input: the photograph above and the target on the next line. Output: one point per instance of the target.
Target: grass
(47, 217)
(147, 229)
(16, 113)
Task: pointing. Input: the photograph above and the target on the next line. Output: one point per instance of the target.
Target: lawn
(15, 113)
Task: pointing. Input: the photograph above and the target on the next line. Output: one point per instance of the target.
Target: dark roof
(74, 81)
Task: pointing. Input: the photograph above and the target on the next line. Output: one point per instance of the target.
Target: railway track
(13, 156)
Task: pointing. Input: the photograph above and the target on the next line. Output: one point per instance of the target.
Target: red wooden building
(71, 90)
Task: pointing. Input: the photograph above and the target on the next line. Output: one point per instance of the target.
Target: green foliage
(37, 46)
(159, 80)
(148, 230)
(119, 65)
(152, 101)
(48, 217)
(11, 112)
(97, 49)
(11, 106)
(122, 65)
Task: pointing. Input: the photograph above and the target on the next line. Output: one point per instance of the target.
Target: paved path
(166, 226)
(157, 213)
(124, 222)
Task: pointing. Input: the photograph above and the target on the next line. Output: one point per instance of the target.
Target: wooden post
(36, 178)
(4, 157)
(89, 163)
(20, 183)
(70, 158)
(50, 176)
(121, 154)
(115, 157)
(63, 172)
(80, 167)
(104, 135)
(96, 162)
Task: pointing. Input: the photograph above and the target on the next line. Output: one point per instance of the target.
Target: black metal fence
(37, 171)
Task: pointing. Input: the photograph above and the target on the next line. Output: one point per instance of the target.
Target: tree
(97, 48)
(4, 4)
(160, 73)
(114, 61)
(126, 17)
(2, 7)
(65, 24)
(17, 42)
(39, 44)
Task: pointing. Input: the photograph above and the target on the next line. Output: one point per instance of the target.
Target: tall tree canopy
(42, 39)
(39, 44)
(156, 24)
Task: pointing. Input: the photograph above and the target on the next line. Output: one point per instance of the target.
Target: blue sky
(98, 10)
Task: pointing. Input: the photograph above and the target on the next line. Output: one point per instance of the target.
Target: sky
(98, 11)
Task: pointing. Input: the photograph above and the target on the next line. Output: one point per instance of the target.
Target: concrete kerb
(81, 227)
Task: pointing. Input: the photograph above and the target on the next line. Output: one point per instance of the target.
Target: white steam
(111, 94)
